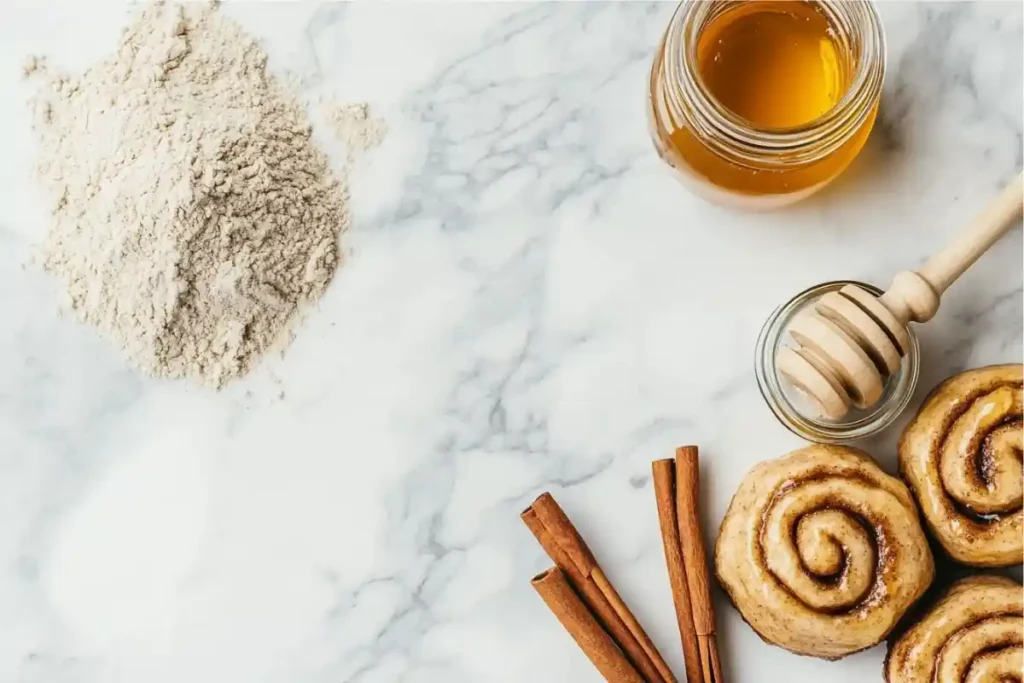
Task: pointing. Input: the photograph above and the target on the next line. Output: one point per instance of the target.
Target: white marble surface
(532, 302)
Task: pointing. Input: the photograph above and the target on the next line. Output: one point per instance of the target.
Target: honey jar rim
(737, 138)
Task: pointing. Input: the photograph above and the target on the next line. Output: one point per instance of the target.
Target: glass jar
(725, 158)
(795, 412)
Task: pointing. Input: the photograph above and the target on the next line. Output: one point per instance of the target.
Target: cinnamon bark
(695, 559)
(664, 476)
(563, 544)
(589, 635)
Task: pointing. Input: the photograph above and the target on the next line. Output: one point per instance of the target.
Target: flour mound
(193, 215)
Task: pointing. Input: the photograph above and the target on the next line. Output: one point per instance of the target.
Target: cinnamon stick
(595, 642)
(696, 561)
(664, 476)
(567, 549)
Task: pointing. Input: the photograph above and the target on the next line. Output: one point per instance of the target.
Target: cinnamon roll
(961, 456)
(822, 552)
(974, 634)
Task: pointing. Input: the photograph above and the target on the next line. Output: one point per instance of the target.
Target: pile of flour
(193, 215)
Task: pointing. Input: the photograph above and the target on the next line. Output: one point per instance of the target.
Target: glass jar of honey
(759, 103)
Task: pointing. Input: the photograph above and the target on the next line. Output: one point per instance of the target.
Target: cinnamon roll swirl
(961, 456)
(822, 552)
(974, 634)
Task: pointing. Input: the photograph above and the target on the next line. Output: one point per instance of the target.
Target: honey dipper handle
(915, 295)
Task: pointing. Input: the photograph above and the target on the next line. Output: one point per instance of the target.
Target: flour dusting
(355, 127)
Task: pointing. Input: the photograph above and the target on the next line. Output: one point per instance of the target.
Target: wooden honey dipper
(850, 341)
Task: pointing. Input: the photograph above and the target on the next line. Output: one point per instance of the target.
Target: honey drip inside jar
(780, 71)
(775, 64)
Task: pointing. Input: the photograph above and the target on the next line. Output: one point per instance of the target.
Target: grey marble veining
(531, 302)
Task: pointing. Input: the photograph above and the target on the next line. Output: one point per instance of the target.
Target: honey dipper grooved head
(824, 390)
(858, 324)
(880, 314)
(847, 344)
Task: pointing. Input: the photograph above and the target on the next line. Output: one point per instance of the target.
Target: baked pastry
(961, 456)
(822, 552)
(974, 633)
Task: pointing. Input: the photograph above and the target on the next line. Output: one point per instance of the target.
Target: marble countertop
(532, 303)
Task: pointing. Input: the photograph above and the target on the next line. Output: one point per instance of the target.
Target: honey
(762, 102)
(775, 64)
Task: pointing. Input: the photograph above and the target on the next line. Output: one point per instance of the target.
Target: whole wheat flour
(354, 126)
(193, 213)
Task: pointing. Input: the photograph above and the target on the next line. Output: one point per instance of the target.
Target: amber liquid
(777, 65)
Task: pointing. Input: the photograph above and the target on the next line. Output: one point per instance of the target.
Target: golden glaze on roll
(974, 634)
(961, 456)
(822, 552)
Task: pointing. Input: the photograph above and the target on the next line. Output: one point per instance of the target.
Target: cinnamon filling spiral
(974, 634)
(822, 552)
(961, 456)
